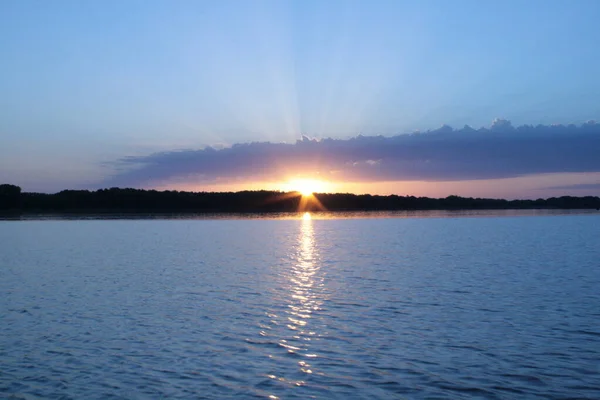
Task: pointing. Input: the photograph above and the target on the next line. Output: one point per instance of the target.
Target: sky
(364, 96)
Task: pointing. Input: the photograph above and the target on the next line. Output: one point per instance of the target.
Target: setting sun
(306, 186)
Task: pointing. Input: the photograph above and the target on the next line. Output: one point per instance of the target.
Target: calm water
(486, 307)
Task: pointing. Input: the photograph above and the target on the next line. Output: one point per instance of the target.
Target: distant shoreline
(118, 201)
(318, 215)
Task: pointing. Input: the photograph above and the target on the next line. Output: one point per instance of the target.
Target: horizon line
(295, 192)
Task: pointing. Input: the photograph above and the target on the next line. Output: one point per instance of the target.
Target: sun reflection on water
(305, 287)
(296, 325)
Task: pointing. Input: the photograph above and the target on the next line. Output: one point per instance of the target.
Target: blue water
(485, 307)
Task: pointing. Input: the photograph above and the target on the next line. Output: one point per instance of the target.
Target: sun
(306, 187)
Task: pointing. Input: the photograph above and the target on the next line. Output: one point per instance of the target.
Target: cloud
(445, 154)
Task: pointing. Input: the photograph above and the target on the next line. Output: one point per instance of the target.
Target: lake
(449, 306)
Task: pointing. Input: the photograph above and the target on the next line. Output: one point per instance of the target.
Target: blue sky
(83, 84)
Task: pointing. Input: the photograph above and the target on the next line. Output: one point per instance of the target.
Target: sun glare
(306, 187)
(306, 216)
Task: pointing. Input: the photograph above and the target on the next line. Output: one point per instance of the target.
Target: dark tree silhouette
(115, 200)
(10, 197)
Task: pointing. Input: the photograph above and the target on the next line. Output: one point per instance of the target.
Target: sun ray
(304, 190)
(310, 202)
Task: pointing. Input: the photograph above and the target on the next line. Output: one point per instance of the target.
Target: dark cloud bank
(445, 154)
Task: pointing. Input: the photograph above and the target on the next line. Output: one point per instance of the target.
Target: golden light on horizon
(306, 216)
(306, 187)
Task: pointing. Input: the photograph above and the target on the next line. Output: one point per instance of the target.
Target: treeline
(116, 200)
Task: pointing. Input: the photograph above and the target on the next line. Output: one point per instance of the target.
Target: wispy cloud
(445, 154)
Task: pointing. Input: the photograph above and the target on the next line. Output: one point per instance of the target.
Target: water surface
(485, 307)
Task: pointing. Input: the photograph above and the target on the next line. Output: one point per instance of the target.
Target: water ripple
(494, 308)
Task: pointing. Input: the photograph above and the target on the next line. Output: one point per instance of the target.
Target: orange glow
(530, 186)
(306, 216)
(306, 187)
